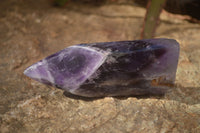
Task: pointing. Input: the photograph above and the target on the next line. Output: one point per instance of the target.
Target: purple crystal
(111, 68)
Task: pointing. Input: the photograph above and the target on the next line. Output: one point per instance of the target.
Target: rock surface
(29, 33)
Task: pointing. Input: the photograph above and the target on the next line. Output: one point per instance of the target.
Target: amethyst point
(111, 69)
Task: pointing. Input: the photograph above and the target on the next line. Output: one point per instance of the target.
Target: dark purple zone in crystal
(111, 68)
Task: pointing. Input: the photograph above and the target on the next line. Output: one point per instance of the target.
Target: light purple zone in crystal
(166, 65)
(67, 69)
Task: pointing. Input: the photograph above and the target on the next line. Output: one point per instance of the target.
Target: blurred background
(30, 30)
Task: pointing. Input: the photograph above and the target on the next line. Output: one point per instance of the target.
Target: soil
(31, 30)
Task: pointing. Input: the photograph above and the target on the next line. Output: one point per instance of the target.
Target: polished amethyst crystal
(124, 68)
